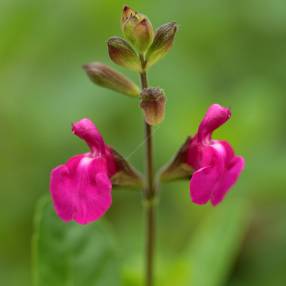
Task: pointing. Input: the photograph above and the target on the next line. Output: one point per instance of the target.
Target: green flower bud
(153, 105)
(123, 54)
(104, 76)
(137, 28)
(162, 43)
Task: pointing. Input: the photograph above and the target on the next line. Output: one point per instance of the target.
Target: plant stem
(149, 194)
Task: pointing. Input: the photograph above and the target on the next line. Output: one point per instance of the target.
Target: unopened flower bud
(137, 28)
(153, 104)
(123, 54)
(104, 76)
(162, 43)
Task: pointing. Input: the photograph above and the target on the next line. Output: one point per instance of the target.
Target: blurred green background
(229, 52)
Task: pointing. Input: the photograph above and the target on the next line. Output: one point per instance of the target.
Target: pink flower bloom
(81, 188)
(216, 166)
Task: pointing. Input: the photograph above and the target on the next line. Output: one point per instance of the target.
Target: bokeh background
(229, 52)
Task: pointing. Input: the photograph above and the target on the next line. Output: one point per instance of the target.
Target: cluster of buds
(140, 48)
(81, 188)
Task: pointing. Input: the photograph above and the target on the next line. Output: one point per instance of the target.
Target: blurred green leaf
(175, 273)
(209, 257)
(70, 254)
(216, 244)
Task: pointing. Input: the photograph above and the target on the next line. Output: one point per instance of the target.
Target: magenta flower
(216, 166)
(81, 188)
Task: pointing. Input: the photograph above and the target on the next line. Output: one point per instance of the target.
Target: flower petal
(81, 189)
(229, 153)
(86, 130)
(202, 184)
(60, 185)
(232, 172)
(206, 180)
(215, 117)
(200, 155)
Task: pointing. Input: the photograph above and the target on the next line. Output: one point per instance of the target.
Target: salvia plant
(81, 188)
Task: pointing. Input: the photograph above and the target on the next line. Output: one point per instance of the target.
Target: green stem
(149, 194)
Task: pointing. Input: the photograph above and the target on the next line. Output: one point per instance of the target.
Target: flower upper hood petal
(86, 130)
(215, 117)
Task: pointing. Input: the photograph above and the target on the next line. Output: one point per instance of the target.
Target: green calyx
(162, 43)
(121, 53)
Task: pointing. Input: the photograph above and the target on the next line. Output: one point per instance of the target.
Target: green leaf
(216, 244)
(71, 254)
